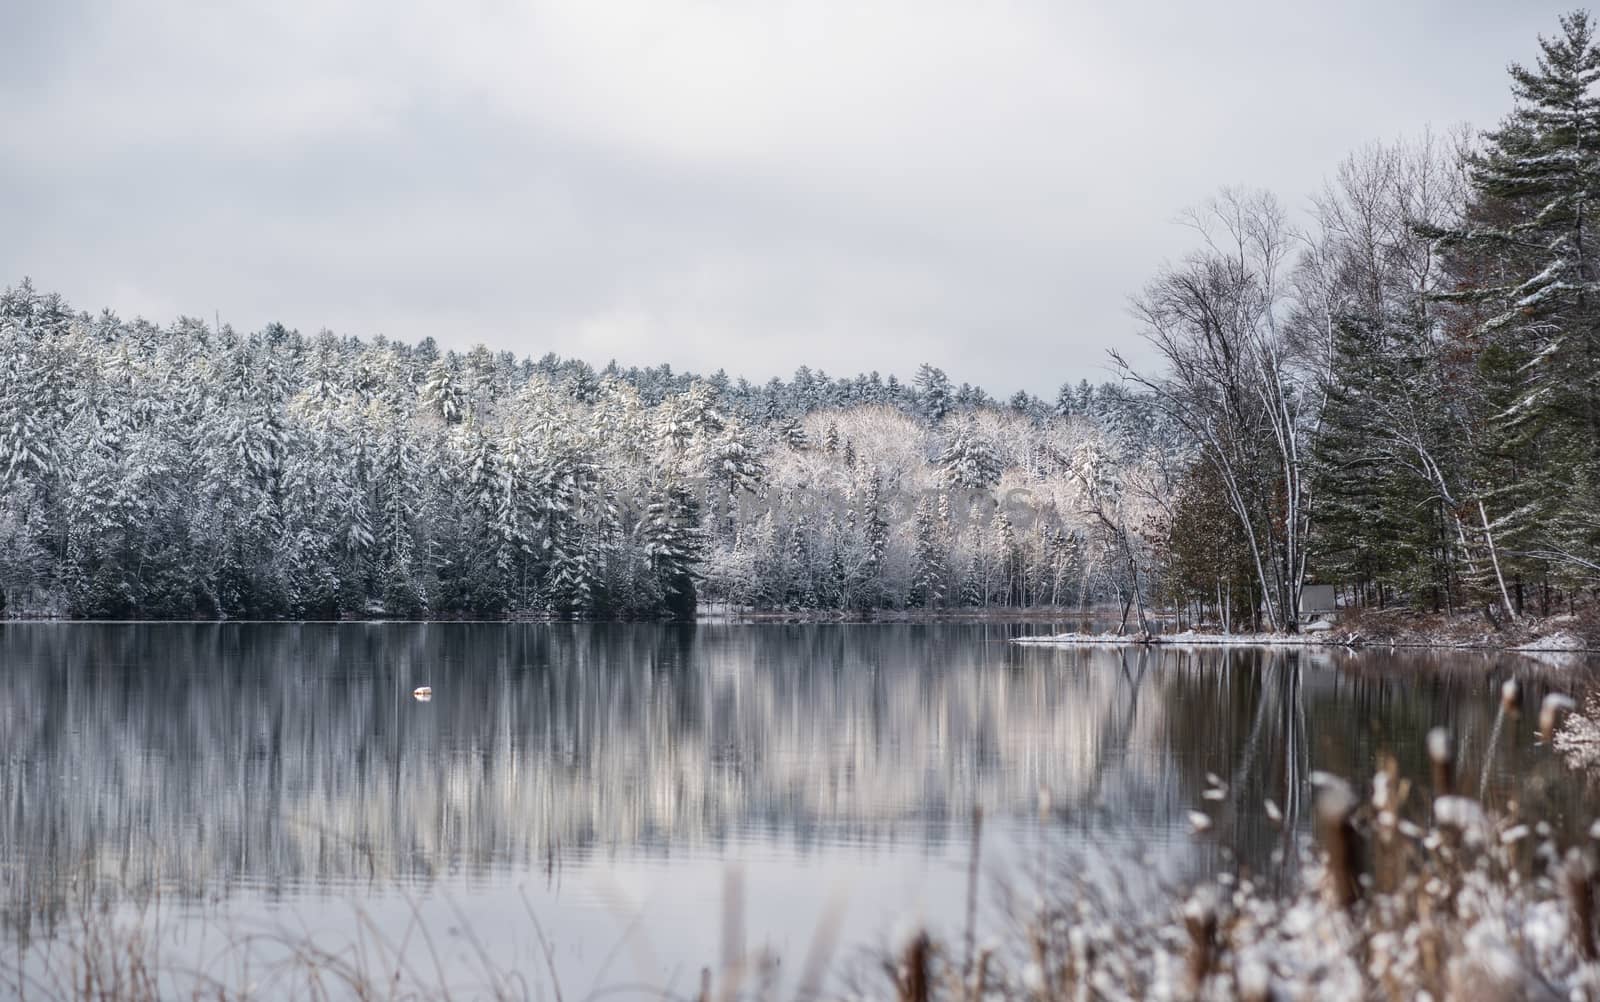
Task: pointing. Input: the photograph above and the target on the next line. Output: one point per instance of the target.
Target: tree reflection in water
(207, 760)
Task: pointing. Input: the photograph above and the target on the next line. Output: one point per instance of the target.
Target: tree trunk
(1494, 558)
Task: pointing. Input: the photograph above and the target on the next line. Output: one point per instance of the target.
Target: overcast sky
(751, 184)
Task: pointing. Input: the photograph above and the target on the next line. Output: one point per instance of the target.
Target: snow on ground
(1561, 649)
(1190, 638)
(1561, 640)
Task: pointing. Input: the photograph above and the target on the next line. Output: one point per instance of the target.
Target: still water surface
(617, 781)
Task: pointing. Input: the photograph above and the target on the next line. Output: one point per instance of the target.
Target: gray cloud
(755, 186)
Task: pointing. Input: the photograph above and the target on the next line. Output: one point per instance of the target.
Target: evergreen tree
(1379, 524)
(674, 545)
(933, 392)
(31, 405)
(735, 466)
(927, 586)
(1009, 555)
(443, 392)
(792, 434)
(1527, 261)
(875, 535)
(970, 461)
(1066, 401)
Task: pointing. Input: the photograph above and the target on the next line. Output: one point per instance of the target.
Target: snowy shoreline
(1554, 643)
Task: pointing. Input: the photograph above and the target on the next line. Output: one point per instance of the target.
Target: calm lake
(658, 796)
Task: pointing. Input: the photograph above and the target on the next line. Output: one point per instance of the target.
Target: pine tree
(970, 461)
(443, 393)
(974, 591)
(875, 539)
(1066, 401)
(396, 476)
(674, 545)
(1378, 511)
(734, 466)
(28, 417)
(927, 586)
(791, 433)
(573, 578)
(1010, 557)
(1528, 260)
(933, 392)
(835, 593)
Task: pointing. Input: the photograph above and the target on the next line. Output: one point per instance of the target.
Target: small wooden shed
(1317, 601)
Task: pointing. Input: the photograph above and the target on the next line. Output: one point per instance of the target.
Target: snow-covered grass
(1578, 740)
(1483, 905)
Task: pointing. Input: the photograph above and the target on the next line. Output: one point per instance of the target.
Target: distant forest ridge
(192, 471)
(929, 391)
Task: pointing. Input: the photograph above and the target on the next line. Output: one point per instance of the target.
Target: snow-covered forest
(188, 470)
(1392, 387)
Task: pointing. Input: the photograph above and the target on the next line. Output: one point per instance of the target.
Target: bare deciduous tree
(1237, 381)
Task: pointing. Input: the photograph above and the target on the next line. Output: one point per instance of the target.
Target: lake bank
(1570, 635)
